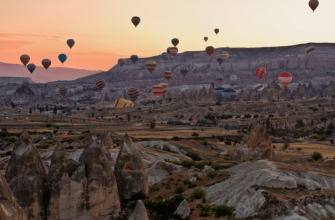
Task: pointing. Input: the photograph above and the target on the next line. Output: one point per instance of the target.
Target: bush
(217, 103)
(48, 125)
(286, 146)
(176, 138)
(205, 211)
(82, 137)
(317, 156)
(187, 164)
(163, 207)
(331, 141)
(187, 182)
(179, 190)
(195, 134)
(85, 132)
(212, 174)
(228, 142)
(217, 167)
(70, 148)
(193, 156)
(201, 165)
(205, 142)
(197, 194)
(222, 211)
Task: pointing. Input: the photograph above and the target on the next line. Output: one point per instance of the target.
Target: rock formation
(260, 140)
(23, 95)
(140, 212)
(129, 170)
(159, 171)
(183, 209)
(106, 140)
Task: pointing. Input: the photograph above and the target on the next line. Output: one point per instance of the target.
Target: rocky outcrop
(159, 171)
(23, 95)
(106, 140)
(129, 170)
(260, 140)
(183, 209)
(27, 178)
(140, 212)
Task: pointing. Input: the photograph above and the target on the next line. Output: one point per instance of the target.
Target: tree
(55, 110)
(47, 108)
(268, 124)
(41, 110)
(30, 111)
(13, 104)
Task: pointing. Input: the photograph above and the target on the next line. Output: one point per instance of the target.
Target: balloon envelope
(133, 94)
(216, 30)
(173, 51)
(120, 103)
(217, 92)
(228, 95)
(169, 51)
(121, 62)
(309, 50)
(260, 72)
(168, 75)
(134, 59)
(70, 43)
(151, 66)
(135, 20)
(175, 42)
(184, 71)
(285, 78)
(219, 78)
(31, 67)
(313, 4)
(165, 56)
(100, 84)
(220, 60)
(157, 90)
(209, 50)
(25, 59)
(206, 39)
(165, 88)
(224, 56)
(259, 87)
(184, 88)
(63, 91)
(62, 57)
(46, 63)
(233, 78)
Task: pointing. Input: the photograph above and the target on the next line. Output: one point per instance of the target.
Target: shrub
(187, 182)
(274, 147)
(45, 146)
(331, 141)
(179, 190)
(176, 138)
(70, 148)
(217, 167)
(228, 142)
(212, 174)
(197, 194)
(187, 164)
(85, 132)
(48, 125)
(82, 137)
(317, 156)
(13, 140)
(163, 207)
(193, 156)
(247, 116)
(222, 211)
(286, 146)
(154, 188)
(205, 142)
(195, 134)
(167, 186)
(217, 103)
(205, 211)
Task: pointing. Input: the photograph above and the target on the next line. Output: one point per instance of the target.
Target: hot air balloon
(224, 56)
(209, 50)
(133, 94)
(46, 63)
(120, 103)
(168, 75)
(121, 62)
(313, 4)
(165, 56)
(157, 90)
(285, 78)
(165, 88)
(217, 92)
(31, 67)
(151, 66)
(134, 58)
(260, 72)
(25, 82)
(25, 59)
(129, 104)
(309, 50)
(219, 60)
(259, 87)
(184, 71)
(70, 43)
(63, 91)
(206, 39)
(62, 57)
(184, 88)
(71, 92)
(135, 20)
(228, 95)
(216, 30)
(79, 88)
(233, 78)
(175, 42)
(100, 84)
(219, 78)
(173, 51)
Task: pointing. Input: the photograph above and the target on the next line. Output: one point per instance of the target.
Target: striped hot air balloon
(129, 104)
(133, 94)
(260, 72)
(63, 91)
(120, 103)
(169, 51)
(151, 66)
(224, 56)
(206, 39)
(209, 50)
(216, 30)
(157, 90)
(175, 42)
(313, 4)
(309, 50)
(168, 75)
(100, 84)
(258, 87)
(165, 88)
(174, 51)
(184, 71)
(46, 63)
(25, 59)
(285, 78)
(219, 78)
(135, 20)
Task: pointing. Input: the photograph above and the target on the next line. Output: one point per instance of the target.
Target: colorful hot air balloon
(165, 88)
(25, 59)
(175, 42)
(134, 58)
(135, 20)
(63, 91)
(165, 56)
(46, 63)
(184, 71)
(173, 51)
(309, 50)
(151, 66)
(219, 60)
(168, 75)
(219, 78)
(100, 84)
(313, 4)
(206, 39)
(169, 51)
(120, 103)
(260, 72)
(70, 43)
(133, 94)
(224, 56)
(31, 67)
(184, 88)
(62, 57)
(216, 30)
(259, 87)
(209, 50)
(121, 62)
(129, 104)
(285, 78)
(157, 90)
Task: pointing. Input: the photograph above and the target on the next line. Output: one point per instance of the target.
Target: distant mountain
(41, 75)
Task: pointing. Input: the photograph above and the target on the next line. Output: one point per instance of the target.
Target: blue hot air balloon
(62, 57)
(31, 67)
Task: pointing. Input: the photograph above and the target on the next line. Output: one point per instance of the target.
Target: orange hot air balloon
(206, 39)
(157, 90)
(285, 78)
(260, 72)
(168, 75)
(165, 88)
(313, 4)
(173, 51)
(216, 30)
(25, 59)
(151, 66)
(209, 50)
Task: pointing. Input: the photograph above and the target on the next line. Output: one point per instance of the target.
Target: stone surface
(183, 209)
(129, 170)
(140, 212)
(106, 140)
(159, 171)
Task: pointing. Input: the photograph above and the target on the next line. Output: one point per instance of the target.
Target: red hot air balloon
(46, 63)
(209, 50)
(25, 59)
(285, 78)
(206, 39)
(168, 75)
(173, 51)
(216, 30)
(157, 90)
(313, 4)
(260, 72)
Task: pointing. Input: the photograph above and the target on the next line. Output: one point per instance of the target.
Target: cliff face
(23, 95)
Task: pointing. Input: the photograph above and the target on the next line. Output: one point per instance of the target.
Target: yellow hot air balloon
(129, 104)
(151, 66)
(120, 103)
(224, 56)
(165, 88)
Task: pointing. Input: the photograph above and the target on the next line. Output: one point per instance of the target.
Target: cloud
(13, 44)
(20, 36)
(99, 53)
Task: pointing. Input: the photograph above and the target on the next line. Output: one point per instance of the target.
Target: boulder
(140, 212)
(106, 140)
(183, 209)
(160, 170)
(27, 178)
(129, 170)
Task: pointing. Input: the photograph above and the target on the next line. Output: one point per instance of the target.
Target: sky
(103, 31)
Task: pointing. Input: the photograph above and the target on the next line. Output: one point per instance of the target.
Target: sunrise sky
(103, 31)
